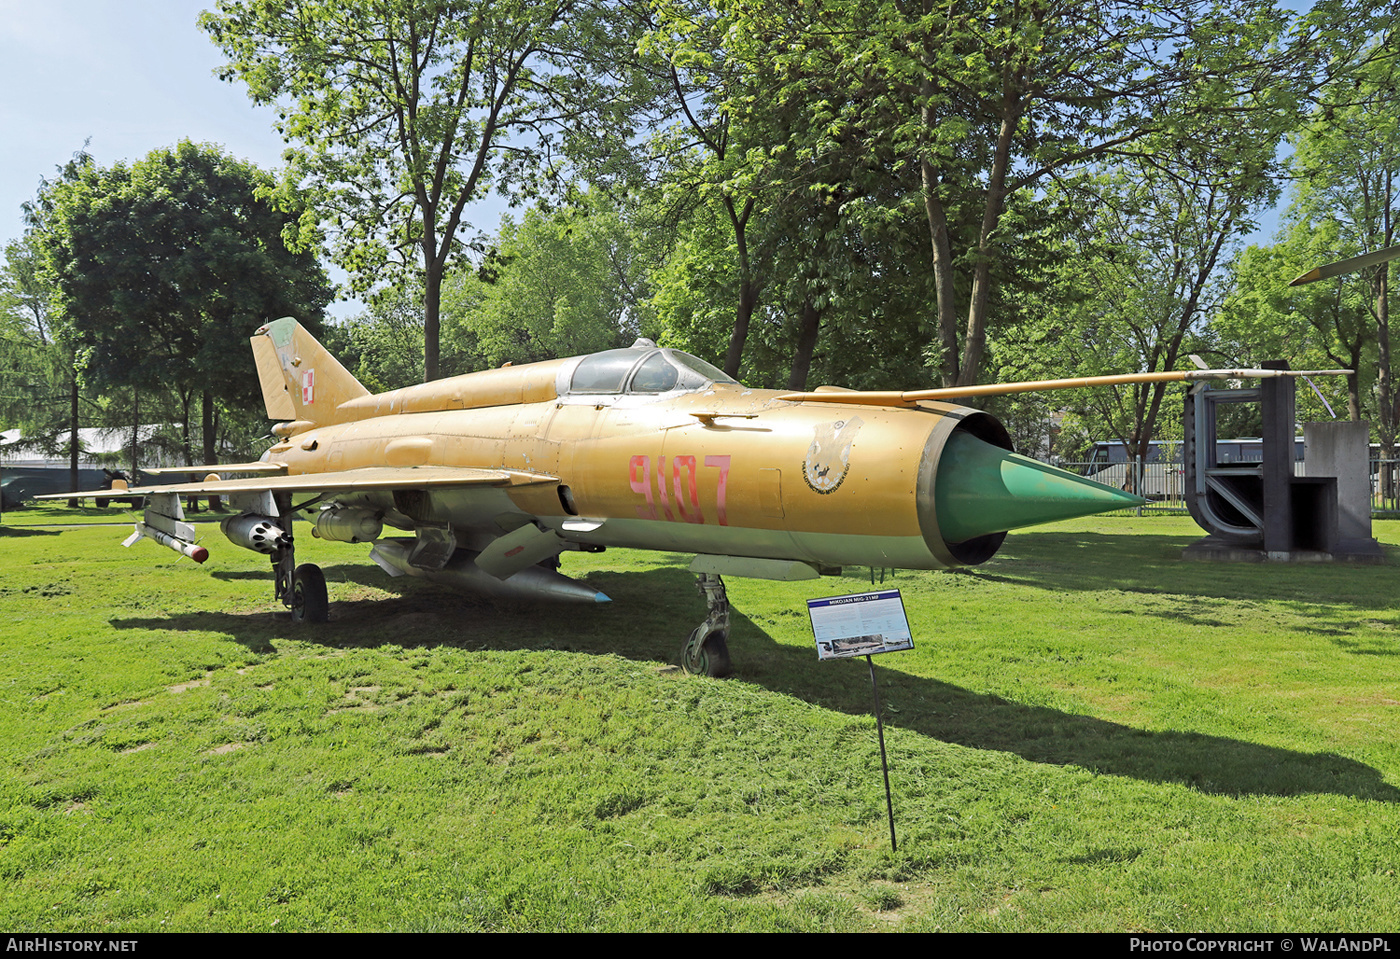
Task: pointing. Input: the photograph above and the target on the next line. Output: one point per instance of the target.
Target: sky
(129, 76)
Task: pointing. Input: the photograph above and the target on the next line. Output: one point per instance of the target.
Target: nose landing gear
(706, 652)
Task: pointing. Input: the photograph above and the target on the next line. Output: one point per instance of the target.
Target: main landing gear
(310, 602)
(707, 650)
(302, 589)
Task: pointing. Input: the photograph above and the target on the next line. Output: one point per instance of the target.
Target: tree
(35, 370)
(797, 230)
(402, 112)
(980, 102)
(384, 344)
(58, 373)
(711, 137)
(1321, 325)
(557, 284)
(1139, 279)
(27, 351)
(162, 269)
(31, 366)
(26, 294)
(1347, 160)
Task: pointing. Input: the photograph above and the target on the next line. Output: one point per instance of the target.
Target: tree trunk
(948, 353)
(1388, 428)
(185, 397)
(975, 341)
(135, 431)
(73, 438)
(207, 429)
(942, 249)
(743, 313)
(806, 346)
(1354, 386)
(432, 320)
(206, 426)
(748, 289)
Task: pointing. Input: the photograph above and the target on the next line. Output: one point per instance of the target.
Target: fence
(1164, 484)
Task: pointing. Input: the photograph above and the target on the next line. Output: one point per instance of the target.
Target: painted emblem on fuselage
(308, 387)
(829, 457)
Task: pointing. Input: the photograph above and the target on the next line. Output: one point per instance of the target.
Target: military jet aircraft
(491, 475)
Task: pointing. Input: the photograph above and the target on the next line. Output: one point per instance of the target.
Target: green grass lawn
(1090, 735)
(36, 514)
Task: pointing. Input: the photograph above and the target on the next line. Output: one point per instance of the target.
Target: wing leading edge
(914, 397)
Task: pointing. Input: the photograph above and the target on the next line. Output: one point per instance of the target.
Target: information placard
(861, 624)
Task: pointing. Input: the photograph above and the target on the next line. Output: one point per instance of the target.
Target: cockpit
(643, 368)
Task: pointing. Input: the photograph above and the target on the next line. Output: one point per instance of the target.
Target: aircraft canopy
(644, 371)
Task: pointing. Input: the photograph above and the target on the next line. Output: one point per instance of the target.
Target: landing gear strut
(302, 589)
(707, 650)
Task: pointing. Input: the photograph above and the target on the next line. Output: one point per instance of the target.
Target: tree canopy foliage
(401, 112)
(160, 270)
(1345, 202)
(34, 376)
(1136, 284)
(969, 104)
(566, 285)
(871, 193)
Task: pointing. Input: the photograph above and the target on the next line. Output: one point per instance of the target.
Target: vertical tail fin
(300, 380)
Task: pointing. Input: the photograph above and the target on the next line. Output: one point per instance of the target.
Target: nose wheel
(706, 652)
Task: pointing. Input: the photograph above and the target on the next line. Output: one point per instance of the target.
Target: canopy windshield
(644, 371)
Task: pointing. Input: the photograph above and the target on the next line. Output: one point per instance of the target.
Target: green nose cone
(984, 489)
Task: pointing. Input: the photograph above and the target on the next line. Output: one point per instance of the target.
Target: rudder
(300, 379)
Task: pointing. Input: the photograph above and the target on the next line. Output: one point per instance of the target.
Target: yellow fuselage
(726, 470)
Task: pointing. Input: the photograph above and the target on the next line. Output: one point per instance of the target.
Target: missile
(193, 550)
(532, 582)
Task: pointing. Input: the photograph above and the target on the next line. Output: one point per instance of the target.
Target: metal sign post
(884, 762)
(864, 624)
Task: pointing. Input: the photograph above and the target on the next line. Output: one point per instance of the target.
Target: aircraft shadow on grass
(1091, 562)
(18, 531)
(1094, 562)
(654, 611)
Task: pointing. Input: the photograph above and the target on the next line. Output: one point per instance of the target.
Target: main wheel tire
(310, 603)
(710, 658)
